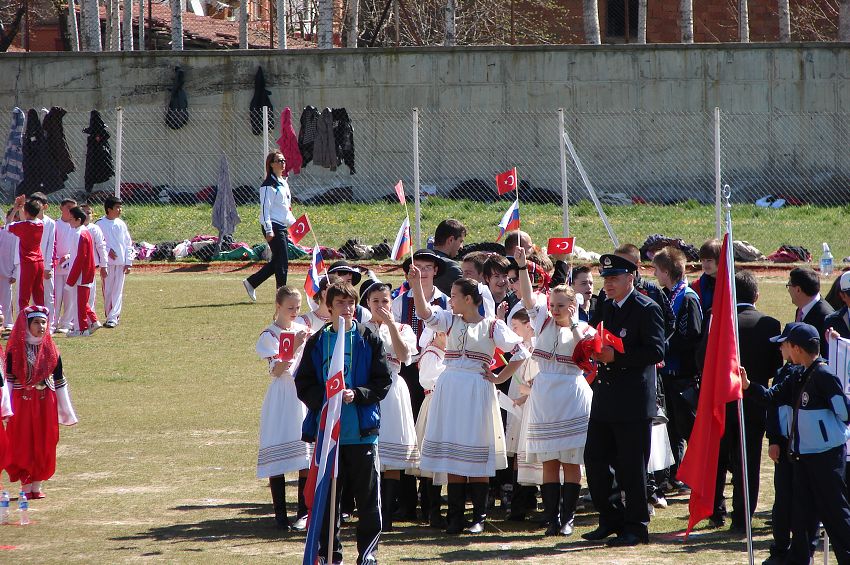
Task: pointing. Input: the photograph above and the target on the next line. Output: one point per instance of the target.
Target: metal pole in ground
(565, 200)
(265, 137)
(417, 209)
(718, 192)
(119, 135)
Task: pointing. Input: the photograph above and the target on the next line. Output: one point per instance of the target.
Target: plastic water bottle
(4, 507)
(23, 508)
(826, 261)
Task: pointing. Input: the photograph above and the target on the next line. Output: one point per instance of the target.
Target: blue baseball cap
(797, 333)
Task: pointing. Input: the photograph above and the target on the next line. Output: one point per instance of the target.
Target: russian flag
(323, 467)
(314, 273)
(401, 247)
(510, 221)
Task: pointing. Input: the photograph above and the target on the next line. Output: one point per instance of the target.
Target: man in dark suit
(448, 239)
(619, 431)
(762, 359)
(804, 287)
(839, 321)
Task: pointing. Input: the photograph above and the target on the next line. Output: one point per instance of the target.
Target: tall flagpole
(407, 213)
(730, 262)
(516, 180)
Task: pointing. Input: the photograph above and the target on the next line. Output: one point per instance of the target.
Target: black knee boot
(278, 488)
(479, 493)
(435, 503)
(389, 490)
(569, 500)
(551, 509)
(457, 504)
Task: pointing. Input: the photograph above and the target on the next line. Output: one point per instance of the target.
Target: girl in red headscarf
(40, 401)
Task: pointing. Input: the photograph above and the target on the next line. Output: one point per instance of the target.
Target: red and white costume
(31, 281)
(40, 402)
(81, 280)
(9, 260)
(5, 412)
(101, 259)
(119, 246)
(48, 252)
(66, 241)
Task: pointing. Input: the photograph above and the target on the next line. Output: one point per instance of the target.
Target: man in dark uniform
(804, 288)
(839, 321)
(619, 431)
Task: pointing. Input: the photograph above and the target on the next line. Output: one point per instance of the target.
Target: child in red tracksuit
(81, 276)
(29, 231)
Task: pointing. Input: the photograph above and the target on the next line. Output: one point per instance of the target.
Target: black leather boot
(569, 500)
(435, 502)
(479, 492)
(456, 507)
(278, 488)
(551, 509)
(389, 489)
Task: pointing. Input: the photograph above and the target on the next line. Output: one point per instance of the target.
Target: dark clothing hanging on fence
(40, 172)
(177, 115)
(324, 149)
(260, 99)
(99, 167)
(307, 133)
(344, 137)
(54, 130)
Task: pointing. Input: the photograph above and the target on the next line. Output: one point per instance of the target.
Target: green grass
(161, 466)
(766, 229)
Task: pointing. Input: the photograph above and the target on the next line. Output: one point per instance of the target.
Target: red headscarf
(47, 357)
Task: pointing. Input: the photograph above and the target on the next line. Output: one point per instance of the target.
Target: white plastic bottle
(4, 507)
(826, 261)
(23, 508)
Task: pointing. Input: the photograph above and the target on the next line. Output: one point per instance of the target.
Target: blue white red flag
(401, 247)
(323, 467)
(314, 273)
(510, 221)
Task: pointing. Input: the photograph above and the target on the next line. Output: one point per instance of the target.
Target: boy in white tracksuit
(66, 240)
(100, 252)
(119, 249)
(9, 259)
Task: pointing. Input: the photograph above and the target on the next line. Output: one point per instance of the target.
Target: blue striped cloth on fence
(12, 169)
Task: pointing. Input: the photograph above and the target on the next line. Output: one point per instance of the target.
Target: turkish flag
(604, 337)
(498, 360)
(399, 191)
(721, 383)
(506, 181)
(560, 245)
(299, 229)
(287, 346)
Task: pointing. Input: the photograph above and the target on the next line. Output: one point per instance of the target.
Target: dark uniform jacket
(624, 390)
(646, 288)
(448, 274)
(816, 317)
(837, 321)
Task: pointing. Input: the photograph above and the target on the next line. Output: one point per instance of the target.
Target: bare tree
(641, 29)
(784, 21)
(844, 21)
(73, 32)
(91, 25)
(127, 25)
(686, 20)
(591, 22)
(326, 24)
(743, 21)
(176, 25)
(352, 24)
(280, 9)
(451, 21)
(141, 25)
(115, 20)
(243, 24)
(10, 31)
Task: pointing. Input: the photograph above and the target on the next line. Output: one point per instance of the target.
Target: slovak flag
(317, 265)
(323, 467)
(401, 247)
(506, 181)
(299, 229)
(510, 221)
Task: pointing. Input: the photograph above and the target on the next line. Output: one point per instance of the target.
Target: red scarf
(45, 361)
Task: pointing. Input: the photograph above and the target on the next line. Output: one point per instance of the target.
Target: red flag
(506, 181)
(399, 191)
(604, 337)
(721, 384)
(498, 360)
(560, 245)
(286, 349)
(299, 229)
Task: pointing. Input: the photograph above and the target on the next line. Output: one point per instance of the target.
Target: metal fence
(650, 173)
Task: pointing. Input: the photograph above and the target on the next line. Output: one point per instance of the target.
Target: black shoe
(283, 523)
(738, 528)
(717, 520)
(775, 559)
(625, 540)
(436, 520)
(599, 533)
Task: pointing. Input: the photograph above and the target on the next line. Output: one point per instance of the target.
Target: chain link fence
(651, 174)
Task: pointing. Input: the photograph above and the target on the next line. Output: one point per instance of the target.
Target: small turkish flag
(506, 181)
(560, 245)
(604, 337)
(299, 229)
(498, 360)
(399, 191)
(287, 346)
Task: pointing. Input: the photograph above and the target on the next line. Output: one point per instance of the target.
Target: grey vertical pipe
(243, 24)
(141, 41)
(416, 196)
(281, 24)
(115, 33)
(176, 25)
(91, 26)
(127, 26)
(718, 192)
(73, 32)
(565, 195)
(119, 147)
(265, 137)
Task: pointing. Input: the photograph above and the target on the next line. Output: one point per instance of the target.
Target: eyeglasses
(513, 280)
(280, 160)
(789, 285)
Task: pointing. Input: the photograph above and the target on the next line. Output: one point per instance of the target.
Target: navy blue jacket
(779, 415)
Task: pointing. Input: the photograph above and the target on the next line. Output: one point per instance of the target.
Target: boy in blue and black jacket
(817, 436)
(367, 381)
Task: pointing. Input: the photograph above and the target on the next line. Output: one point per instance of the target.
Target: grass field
(161, 466)
(766, 229)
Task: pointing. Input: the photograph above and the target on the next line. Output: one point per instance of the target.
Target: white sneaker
(252, 294)
(71, 333)
(300, 524)
(476, 528)
(651, 509)
(660, 502)
(62, 330)
(94, 327)
(110, 324)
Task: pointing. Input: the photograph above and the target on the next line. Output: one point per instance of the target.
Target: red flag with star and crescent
(507, 181)
(299, 229)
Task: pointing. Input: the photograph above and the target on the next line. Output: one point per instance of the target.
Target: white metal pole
(332, 514)
(119, 137)
(592, 191)
(416, 196)
(825, 548)
(265, 136)
(72, 26)
(565, 199)
(718, 196)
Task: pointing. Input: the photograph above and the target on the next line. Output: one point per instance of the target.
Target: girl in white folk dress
(281, 448)
(397, 442)
(559, 404)
(316, 319)
(463, 434)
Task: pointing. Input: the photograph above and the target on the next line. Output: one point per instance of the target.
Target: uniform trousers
(48, 296)
(113, 292)
(623, 446)
(63, 302)
(31, 284)
(279, 264)
(729, 459)
(783, 493)
(85, 315)
(359, 473)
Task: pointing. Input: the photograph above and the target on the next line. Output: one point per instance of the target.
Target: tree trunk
(352, 25)
(641, 30)
(326, 24)
(73, 33)
(591, 22)
(451, 29)
(141, 25)
(743, 22)
(127, 26)
(280, 9)
(243, 24)
(686, 20)
(8, 34)
(784, 21)
(176, 25)
(115, 34)
(844, 21)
